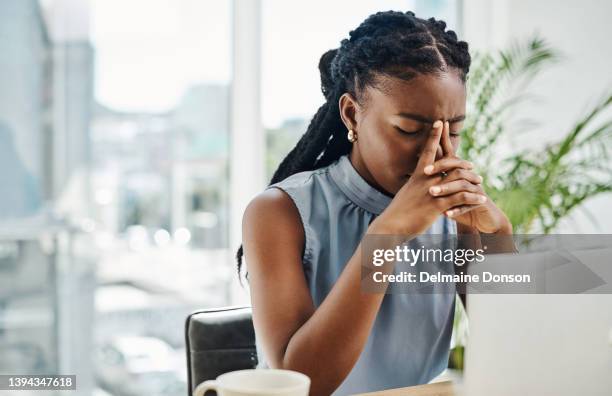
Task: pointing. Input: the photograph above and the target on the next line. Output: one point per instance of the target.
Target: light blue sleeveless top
(410, 340)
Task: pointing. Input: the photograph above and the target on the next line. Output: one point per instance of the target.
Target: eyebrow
(420, 118)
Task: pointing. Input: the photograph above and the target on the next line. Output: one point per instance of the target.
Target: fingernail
(482, 199)
(428, 169)
(435, 190)
(471, 165)
(480, 178)
(437, 124)
(450, 213)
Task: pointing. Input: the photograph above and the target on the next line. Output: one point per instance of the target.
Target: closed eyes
(407, 132)
(452, 133)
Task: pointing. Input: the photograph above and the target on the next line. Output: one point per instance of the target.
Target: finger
(458, 211)
(462, 198)
(447, 145)
(428, 155)
(446, 164)
(459, 174)
(454, 187)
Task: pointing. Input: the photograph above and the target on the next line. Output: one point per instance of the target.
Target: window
(160, 144)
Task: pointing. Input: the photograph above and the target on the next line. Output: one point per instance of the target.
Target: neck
(362, 169)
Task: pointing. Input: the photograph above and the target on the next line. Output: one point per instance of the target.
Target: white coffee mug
(257, 382)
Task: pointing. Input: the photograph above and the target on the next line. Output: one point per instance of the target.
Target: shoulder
(306, 188)
(302, 180)
(272, 217)
(271, 203)
(281, 214)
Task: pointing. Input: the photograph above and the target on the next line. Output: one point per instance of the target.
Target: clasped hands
(456, 176)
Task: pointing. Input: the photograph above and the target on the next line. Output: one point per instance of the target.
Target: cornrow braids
(391, 43)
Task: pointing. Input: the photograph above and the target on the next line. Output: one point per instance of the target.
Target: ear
(349, 109)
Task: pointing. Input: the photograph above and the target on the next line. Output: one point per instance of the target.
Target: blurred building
(131, 166)
(25, 108)
(200, 178)
(165, 171)
(46, 296)
(281, 140)
(159, 189)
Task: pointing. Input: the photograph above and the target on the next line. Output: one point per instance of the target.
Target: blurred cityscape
(114, 224)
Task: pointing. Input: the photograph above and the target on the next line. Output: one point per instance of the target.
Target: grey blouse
(409, 342)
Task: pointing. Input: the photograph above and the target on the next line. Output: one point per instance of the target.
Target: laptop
(539, 344)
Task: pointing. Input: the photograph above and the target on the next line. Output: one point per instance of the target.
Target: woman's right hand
(414, 208)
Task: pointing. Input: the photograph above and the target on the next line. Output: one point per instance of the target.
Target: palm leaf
(536, 189)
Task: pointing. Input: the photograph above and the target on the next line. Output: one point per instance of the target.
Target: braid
(392, 43)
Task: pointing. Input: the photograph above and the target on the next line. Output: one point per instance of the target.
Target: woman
(377, 158)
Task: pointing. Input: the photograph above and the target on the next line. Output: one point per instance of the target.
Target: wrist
(392, 226)
(464, 229)
(381, 227)
(505, 229)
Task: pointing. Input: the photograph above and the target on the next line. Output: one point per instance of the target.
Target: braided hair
(391, 43)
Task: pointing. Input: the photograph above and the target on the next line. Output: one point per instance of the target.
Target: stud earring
(352, 136)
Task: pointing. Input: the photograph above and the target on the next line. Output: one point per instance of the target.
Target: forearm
(467, 238)
(328, 344)
(470, 238)
(501, 241)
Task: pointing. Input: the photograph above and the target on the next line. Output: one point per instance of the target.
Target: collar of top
(359, 191)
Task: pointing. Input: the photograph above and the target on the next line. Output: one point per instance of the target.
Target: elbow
(322, 382)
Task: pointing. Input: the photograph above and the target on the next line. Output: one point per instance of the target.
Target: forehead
(431, 95)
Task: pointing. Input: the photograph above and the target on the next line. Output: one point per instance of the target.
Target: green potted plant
(535, 187)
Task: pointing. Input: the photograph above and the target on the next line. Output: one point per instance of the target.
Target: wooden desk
(445, 388)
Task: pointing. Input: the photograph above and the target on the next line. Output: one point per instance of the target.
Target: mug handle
(205, 386)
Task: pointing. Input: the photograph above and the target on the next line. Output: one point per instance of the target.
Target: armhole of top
(306, 253)
(451, 232)
(452, 226)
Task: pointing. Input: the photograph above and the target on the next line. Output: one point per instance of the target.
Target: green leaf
(535, 188)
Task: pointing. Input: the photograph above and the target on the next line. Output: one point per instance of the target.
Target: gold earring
(352, 136)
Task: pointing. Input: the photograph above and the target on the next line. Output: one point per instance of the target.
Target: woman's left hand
(485, 217)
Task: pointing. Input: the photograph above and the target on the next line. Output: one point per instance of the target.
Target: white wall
(247, 152)
(580, 30)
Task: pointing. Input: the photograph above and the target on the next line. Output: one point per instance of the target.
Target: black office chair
(218, 341)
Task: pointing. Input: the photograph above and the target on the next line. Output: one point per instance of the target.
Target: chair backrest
(217, 341)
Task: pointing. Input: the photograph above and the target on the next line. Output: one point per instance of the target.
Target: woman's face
(394, 121)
